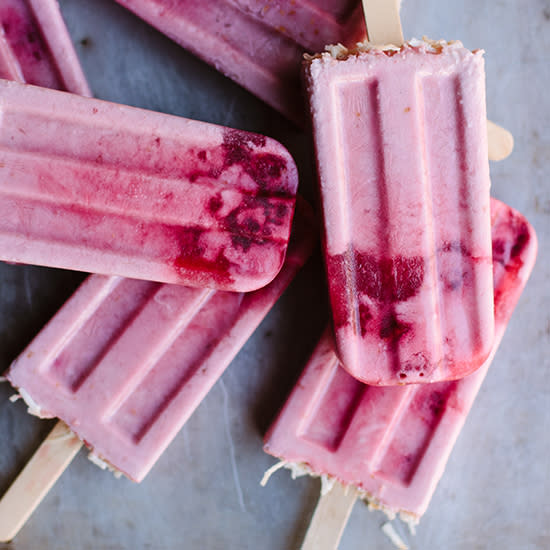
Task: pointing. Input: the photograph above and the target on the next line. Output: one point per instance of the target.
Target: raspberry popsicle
(257, 44)
(390, 445)
(126, 362)
(36, 48)
(94, 186)
(401, 146)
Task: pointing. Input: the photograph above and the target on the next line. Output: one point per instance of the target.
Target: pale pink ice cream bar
(36, 48)
(257, 43)
(401, 147)
(392, 443)
(125, 362)
(94, 186)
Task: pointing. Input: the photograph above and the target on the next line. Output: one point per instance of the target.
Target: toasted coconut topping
(340, 52)
(327, 482)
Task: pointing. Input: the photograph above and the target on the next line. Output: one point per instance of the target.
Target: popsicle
(124, 363)
(36, 48)
(389, 445)
(94, 186)
(401, 145)
(258, 44)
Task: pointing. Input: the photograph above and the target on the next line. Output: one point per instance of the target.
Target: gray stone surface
(204, 491)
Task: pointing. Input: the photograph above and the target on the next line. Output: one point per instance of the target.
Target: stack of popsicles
(389, 445)
(187, 226)
(122, 192)
(419, 296)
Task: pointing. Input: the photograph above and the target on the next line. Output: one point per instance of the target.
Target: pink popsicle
(392, 443)
(401, 147)
(94, 186)
(125, 362)
(36, 48)
(258, 44)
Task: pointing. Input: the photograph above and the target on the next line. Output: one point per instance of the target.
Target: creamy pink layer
(393, 443)
(258, 44)
(36, 48)
(401, 146)
(125, 362)
(94, 186)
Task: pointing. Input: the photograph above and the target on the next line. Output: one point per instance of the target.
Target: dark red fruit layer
(387, 281)
(252, 221)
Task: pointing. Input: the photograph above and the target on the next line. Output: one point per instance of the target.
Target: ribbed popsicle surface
(125, 362)
(393, 442)
(36, 48)
(94, 186)
(401, 147)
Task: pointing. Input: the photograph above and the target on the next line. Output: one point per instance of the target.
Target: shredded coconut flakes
(327, 482)
(104, 465)
(389, 530)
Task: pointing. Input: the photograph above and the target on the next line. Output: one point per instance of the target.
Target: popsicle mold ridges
(140, 194)
(392, 443)
(125, 362)
(401, 146)
(35, 46)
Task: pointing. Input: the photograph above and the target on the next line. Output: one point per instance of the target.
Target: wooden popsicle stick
(383, 22)
(384, 27)
(36, 479)
(330, 518)
(501, 141)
